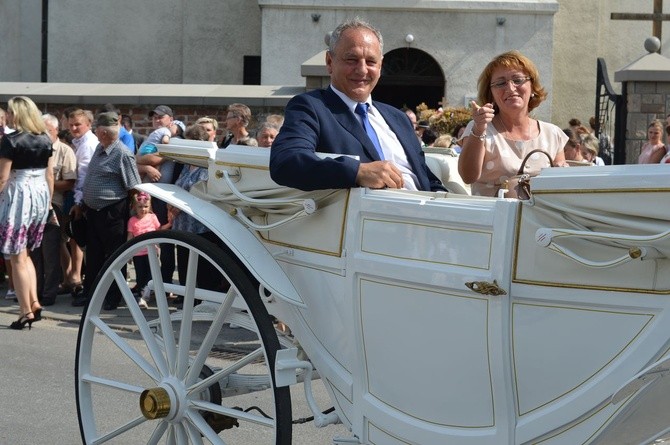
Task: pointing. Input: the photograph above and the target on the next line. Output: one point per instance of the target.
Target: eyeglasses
(516, 81)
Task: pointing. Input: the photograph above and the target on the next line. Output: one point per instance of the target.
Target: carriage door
(432, 352)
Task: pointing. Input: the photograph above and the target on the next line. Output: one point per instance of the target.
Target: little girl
(143, 221)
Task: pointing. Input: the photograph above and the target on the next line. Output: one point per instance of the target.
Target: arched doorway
(409, 77)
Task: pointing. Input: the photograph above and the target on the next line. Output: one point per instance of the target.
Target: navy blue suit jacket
(319, 121)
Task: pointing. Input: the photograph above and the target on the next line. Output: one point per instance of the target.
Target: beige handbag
(518, 186)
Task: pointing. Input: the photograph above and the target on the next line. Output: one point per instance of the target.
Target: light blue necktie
(362, 111)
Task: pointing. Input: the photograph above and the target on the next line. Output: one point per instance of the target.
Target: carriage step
(286, 365)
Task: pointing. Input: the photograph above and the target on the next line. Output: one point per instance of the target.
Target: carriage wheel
(180, 375)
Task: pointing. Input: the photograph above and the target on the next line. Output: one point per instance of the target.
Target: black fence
(610, 115)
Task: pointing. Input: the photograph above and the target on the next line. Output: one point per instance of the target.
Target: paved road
(37, 397)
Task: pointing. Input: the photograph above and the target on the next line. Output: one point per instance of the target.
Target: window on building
(252, 70)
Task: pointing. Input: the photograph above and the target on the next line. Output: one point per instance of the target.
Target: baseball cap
(180, 124)
(161, 110)
(108, 119)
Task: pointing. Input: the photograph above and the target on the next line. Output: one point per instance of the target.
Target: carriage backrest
(444, 165)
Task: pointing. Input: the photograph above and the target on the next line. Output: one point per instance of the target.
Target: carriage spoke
(203, 427)
(158, 433)
(194, 434)
(127, 349)
(89, 378)
(171, 440)
(141, 322)
(163, 310)
(187, 317)
(120, 430)
(209, 340)
(180, 433)
(203, 384)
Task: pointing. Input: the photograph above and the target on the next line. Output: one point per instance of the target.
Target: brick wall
(646, 101)
(185, 113)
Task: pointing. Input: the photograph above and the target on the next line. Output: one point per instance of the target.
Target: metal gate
(610, 118)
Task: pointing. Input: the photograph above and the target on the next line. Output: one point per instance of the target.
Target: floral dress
(24, 201)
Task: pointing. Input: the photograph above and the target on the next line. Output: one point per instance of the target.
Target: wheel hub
(155, 403)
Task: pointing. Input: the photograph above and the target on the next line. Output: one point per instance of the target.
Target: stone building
(434, 49)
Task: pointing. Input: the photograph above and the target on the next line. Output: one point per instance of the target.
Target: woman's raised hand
(482, 115)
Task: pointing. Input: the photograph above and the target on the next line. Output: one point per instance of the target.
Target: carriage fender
(237, 237)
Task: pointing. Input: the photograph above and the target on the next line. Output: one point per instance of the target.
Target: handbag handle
(525, 159)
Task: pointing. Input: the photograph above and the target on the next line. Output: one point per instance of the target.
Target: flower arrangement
(443, 120)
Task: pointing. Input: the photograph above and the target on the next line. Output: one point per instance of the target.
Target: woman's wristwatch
(481, 137)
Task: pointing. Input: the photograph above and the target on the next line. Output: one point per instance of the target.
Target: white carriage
(431, 318)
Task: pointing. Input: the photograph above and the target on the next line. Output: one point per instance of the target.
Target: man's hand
(149, 172)
(379, 175)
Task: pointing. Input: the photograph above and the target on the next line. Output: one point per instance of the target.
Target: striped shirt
(112, 172)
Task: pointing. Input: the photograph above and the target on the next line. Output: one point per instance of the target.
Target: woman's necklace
(517, 142)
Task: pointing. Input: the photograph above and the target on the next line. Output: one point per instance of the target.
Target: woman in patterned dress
(26, 184)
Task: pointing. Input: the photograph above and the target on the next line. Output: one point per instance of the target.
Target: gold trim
(485, 288)
(628, 290)
(423, 260)
(337, 254)
(576, 424)
(515, 260)
(388, 433)
(557, 306)
(488, 351)
(180, 155)
(238, 165)
(335, 389)
(584, 191)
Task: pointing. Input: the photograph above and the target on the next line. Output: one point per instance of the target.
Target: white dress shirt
(84, 148)
(391, 146)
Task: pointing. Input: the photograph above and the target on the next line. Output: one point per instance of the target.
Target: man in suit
(329, 121)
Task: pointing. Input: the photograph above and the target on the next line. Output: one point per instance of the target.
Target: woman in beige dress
(502, 131)
(654, 149)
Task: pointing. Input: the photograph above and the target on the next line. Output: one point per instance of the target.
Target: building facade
(434, 49)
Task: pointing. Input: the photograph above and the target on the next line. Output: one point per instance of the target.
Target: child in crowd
(143, 221)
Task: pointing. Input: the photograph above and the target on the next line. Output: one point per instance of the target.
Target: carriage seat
(443, 162)
(239, 183)
(278, 213)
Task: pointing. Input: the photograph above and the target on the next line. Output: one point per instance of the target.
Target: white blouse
(503, 157)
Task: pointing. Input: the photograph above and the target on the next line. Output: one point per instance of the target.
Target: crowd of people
(64, 190)
(68, 182)
(584, 147)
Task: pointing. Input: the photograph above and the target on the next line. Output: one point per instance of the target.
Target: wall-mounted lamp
(409, 38)
(316, 17)
(500, 21)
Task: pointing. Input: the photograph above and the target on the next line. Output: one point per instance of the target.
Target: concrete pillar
(647, 88)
